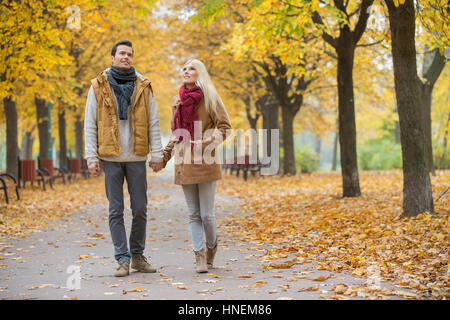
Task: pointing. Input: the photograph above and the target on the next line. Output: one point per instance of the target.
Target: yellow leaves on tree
(398, 2)
(33, 44)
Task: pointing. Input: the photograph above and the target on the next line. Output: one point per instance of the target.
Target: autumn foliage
(276, 66)
(37, 208)
(300, 220)
(308, 221)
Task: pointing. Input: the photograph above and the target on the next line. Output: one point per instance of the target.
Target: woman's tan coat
(193, 173)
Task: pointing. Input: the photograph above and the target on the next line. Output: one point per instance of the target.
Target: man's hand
(156, 166)
(94, 168)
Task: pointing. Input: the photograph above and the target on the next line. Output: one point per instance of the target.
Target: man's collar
(137, 74)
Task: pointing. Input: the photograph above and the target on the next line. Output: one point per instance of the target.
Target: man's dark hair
(121, 42)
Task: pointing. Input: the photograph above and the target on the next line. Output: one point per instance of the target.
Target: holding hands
(156, 166)
(94, 168)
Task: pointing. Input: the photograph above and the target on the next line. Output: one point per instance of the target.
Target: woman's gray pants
(202, 221)
(135, 174)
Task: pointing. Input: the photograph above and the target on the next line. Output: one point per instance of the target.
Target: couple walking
(122, 126)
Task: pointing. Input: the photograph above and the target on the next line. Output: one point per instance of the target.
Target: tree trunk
(273, 116)
(335, 149)
(29, 151)
(318, 141)
(289, 94)
(62, 139)
(345, 46)
(426, 94)
(288, 141)
(252, 120)
(23, 147)
(397, 131)
(273, 119)
(79, 137)
(417, 192)
(444, 144)
(433, 64)
(269, 110)
(27, 146)
(347, 125)
(42, 123)
(12, 149)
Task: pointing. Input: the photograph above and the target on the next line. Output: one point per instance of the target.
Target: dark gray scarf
(122, 82)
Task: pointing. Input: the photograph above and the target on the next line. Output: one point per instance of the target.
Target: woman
(198, 101)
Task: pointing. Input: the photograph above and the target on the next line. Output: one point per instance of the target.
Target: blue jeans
(135, 174)
(202, 221)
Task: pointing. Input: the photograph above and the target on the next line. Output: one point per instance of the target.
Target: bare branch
(354, 12)
(370, 44)
(362, 21)
(327, 37)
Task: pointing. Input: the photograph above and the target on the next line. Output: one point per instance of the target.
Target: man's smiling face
(123, 58)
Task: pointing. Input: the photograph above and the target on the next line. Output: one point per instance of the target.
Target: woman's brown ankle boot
(200, 261)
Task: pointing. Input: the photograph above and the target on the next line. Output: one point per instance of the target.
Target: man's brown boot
(200, 261)
(210, 254)
(139, 263)
(123, 270)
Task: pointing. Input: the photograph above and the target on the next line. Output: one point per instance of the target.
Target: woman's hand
(176, 101)
(204, 142)
(156, 166)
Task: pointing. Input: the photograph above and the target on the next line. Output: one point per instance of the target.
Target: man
(121, 127)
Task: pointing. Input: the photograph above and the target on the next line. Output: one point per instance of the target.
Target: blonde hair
(210, 94)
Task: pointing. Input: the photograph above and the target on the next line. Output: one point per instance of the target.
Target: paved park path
(45, 265)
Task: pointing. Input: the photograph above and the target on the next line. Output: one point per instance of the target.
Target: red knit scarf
(186, 113)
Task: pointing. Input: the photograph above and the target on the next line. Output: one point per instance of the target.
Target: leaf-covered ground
(301, 220)
(306, 219)
(36, 208)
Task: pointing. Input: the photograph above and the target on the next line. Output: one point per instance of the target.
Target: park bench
(8, 181)
(74, 168)
(67, 173)
(243, 164)
(46, 165)
(29, 173)
(84, 169)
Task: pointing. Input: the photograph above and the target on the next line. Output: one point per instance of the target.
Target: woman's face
(190, 75)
